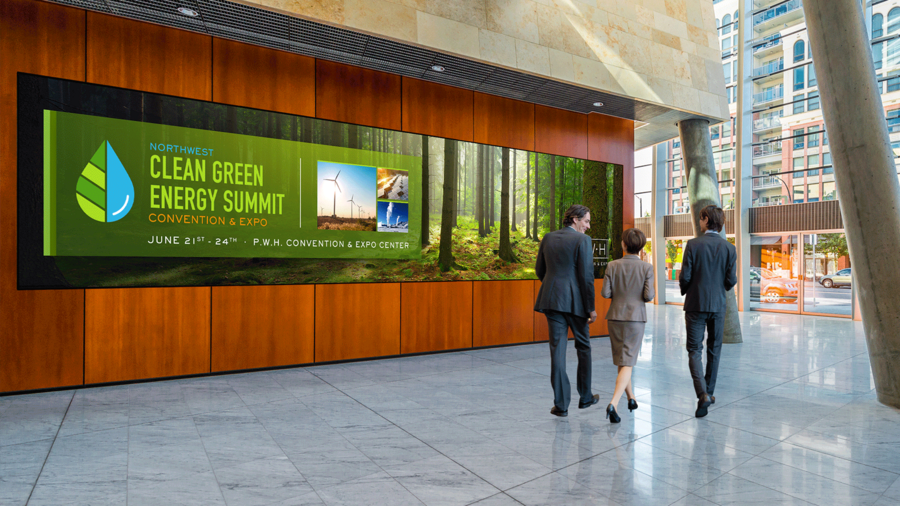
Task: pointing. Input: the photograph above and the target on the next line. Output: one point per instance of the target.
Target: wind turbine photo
(357, 180)
(337, 189)
(352, 205)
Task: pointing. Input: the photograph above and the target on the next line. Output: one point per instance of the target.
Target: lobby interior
(255, 390)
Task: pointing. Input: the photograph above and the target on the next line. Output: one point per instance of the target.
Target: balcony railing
(767, 203)
(766, 182)
(767, 150)
(776, 93)
(766, 123)
(778, 10)
(769, 68)
(771, 41)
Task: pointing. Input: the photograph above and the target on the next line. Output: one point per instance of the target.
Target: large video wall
(124, 188)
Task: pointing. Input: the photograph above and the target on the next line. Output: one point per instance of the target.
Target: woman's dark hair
(716, 217)
(577, 211)
(634, 240)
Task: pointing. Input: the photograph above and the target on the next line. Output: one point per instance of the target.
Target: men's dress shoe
(632, 405)
(702, 406)
(594, 400)
(558, 412)
(712, 399)
(612, 415)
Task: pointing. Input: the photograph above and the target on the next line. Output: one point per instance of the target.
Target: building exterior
(780, 151)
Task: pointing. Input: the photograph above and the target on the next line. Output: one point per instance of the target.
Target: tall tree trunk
(537, 173)
(479, 190)
(514, 191)
(528, 195)
(456, 196)
(506, 251)
(353, 136)
(493, 190)
(552, 217)
(562, 195)
(445, 256)
(426, 197)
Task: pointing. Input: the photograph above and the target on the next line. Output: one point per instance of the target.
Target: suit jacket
(565, 266)
(708, 270)
(629, 283)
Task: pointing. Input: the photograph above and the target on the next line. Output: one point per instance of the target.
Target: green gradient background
(71, 139)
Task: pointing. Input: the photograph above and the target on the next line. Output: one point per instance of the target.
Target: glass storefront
(674, 251)
(812, 268)
(774, 272)
(827, 285)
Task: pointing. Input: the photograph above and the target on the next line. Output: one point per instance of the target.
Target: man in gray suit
(565, 266)
(708, 270)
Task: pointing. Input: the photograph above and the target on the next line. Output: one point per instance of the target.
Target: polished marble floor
(796, 422)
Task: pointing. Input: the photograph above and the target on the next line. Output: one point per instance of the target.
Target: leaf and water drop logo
(104, 191)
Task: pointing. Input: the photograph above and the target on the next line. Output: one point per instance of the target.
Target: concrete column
(866, 177)
(744, 163)
(703, 189)
(658, 208)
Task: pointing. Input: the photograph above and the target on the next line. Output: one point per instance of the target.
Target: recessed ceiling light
(598, 104)
(188, 12)
(437, 68)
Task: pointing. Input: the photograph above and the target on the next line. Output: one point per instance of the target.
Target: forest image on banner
(471, 211)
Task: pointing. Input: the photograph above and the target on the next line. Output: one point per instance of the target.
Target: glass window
(893, 121)
(812, 161)
(673, 268)
(893, 20)
(799, 103)
(877, 26)
(734, 41)
(893, 84)
(798, 194)
(726, 130)
(825, 290)
(799, 81)
(812, 140)
(826, 160)
(829, 191)
(798, 167)
(714, 132)
(825, 138)
(735, 20)
(892, 52)
(727, 70)
(813, 102)
(726, 43)
(726, 24)
(734, 67)
(799, 51)
(878, 54)
(798, 138)
(812, 76)
(812, 192)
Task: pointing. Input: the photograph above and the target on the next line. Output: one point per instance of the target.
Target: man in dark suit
(565, 266)
(708, 270)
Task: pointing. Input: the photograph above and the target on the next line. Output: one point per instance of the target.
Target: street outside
(817, 299)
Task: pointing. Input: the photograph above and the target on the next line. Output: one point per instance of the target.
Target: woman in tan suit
(629, 283)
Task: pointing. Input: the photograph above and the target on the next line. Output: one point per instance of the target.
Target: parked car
(772, 288)
(837, 280)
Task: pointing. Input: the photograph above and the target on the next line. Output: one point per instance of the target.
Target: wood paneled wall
(58, 338)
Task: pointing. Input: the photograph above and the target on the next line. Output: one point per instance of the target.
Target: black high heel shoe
(632, 405)
(612, 415)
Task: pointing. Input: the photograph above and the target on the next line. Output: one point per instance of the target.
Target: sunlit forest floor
(477, 255)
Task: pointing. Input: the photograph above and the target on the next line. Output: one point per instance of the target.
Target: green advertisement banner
(115, 187)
